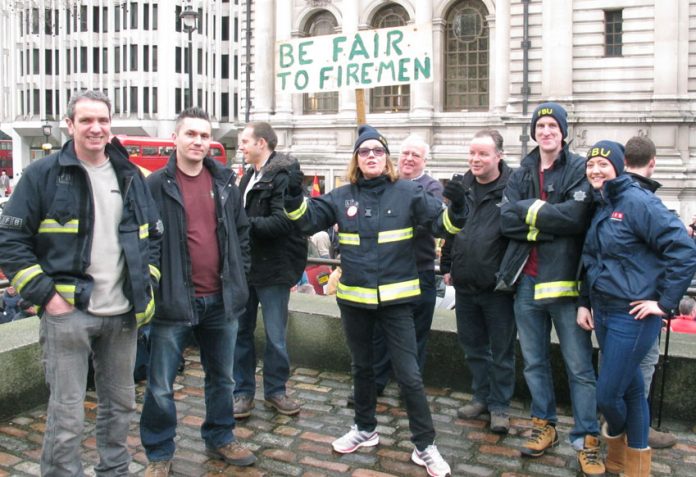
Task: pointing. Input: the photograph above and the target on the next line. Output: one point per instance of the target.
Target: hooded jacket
(46, 232)
(473, 256)
(278, 250)
(636, 249)
(556, 226)
(176, 294)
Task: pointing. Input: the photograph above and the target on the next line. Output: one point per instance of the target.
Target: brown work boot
(283, 404)
(233, 453)
(158, 468)
(616, 451)
(243, 406)
(589, 459)
(543, 437)
(661, 440)
(638, 462)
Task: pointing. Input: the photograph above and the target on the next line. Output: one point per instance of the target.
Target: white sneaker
(354, 440)
(433, 462)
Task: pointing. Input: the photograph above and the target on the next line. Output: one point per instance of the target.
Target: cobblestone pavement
(300, 446)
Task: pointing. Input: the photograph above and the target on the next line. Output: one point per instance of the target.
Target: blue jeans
(276, 363)
(647, 365)
(400, 336)
(534, 321)
(486, 332)
(624, 342)
(216, 335)
(68, 342)
(423, 311)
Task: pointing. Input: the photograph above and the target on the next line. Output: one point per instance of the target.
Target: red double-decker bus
(152, 153)
(6, 156)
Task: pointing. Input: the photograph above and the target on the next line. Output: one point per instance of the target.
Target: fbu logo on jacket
(617, 216)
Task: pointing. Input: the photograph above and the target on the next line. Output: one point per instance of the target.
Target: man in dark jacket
(203, 292)
(470, 261)
(80, 238)
(640, 164)
(278, 258)
(545, 213)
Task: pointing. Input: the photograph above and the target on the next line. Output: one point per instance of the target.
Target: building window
(177, 21)
(35, 61)
(36, 110)
(613, 32)
(225, 107)
(49, 102)
(83, 59)
(154, 21)
(117, 100)
(199, 61)
(146, 18)
(95, 19)
(395, 97)
(117, 18)
(146, 100)
(83, 18)
(105, 60)
(35, 21)
(117, 59)
(177, 59)
(67, 60)
(466, 61)
(225, 29)
(154, 100)
(134, 58)
(95, 60)
(177, 100)
(133, 15)
(154, 59)
(48, 60)
(146, 58)
(225, 66)
(322, 23)
(134, 99)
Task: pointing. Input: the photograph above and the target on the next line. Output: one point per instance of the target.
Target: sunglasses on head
(377, 151)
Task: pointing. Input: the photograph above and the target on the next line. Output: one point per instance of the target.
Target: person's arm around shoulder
(276, 224)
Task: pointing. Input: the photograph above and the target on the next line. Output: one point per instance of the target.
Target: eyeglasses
(377, 151)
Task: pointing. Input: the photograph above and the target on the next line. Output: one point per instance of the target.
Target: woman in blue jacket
(376, 215)
(639, 261)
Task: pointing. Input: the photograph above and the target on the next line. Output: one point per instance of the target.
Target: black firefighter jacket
(46, 232)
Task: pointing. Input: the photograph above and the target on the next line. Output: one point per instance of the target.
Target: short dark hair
(192, 112)
(263, 130)
(494, 134)
(91, 94)
(639, 151)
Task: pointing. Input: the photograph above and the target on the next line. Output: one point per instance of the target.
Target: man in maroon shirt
(203, 292)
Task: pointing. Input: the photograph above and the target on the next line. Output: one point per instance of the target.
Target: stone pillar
(422, 93)
(346, 97)
(557, 50)
(264, 54)
(283, 101)
(500, 54)
(666, 62)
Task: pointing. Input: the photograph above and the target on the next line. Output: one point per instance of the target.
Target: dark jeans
(486, 332)
(276, 362)
(624, 342)
(216, 335)
(399, 334)
(422, 319)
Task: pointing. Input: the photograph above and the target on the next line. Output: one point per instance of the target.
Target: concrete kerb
(316, 340)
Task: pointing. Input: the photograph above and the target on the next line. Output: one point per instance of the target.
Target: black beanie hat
(611, 151)
(366, 132)
(554, 110)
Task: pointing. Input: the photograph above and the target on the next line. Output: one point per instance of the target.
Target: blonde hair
(354, 173)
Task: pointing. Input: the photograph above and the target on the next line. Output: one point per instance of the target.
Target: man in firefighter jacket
(545, 213)
(80, 238)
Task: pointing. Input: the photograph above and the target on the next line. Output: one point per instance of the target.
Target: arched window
(395, 97)
(322, 23)
(466, 61)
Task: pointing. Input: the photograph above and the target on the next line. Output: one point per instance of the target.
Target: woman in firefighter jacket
(639, 261)
(376, 214)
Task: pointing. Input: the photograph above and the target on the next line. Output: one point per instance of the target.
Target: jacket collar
(505, 172)
(219, 173)
(645, 182)
(533, 159)
(115, 150)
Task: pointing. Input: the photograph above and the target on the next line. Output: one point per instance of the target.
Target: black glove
(295, 181)
(456, 193)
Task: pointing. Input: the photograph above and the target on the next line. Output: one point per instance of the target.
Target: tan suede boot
(637, 462)
(616, 450)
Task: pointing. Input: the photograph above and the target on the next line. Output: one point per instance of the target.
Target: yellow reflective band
(296, 214)
(556, 289)
(397, 291)
(348, 239)
(367, 296)
(449, 226)
(154, 271)
(67, 292)
(532, 234)
(144, 231)
(532, 212)
(51, 226)
(145, 317)
(395, 235)
(24, 276)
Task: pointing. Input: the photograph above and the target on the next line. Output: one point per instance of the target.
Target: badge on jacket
(351, 208)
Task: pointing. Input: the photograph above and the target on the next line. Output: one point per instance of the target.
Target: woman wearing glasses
(376, 215)
(639, 261)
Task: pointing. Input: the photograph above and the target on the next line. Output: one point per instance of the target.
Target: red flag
(240, 171)
(316, 192)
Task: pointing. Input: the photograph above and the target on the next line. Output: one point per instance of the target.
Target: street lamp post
(46, 146)
(189, 19)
